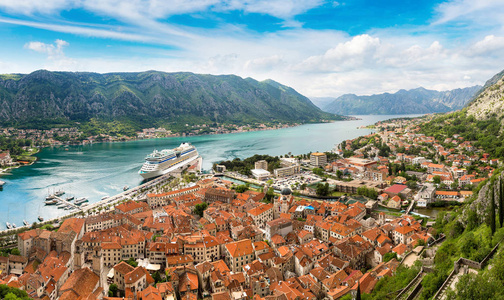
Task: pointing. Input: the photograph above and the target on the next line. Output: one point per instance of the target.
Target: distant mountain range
(415, 101)
(149, 98)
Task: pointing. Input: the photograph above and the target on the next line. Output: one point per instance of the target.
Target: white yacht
(162, 162)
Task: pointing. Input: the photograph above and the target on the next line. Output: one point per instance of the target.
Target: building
(261, 164)
(261, 214)
(279, 226)
(239, 254)
(318, 159)
(219, 194)
(5, 159)
(260, 174)
(426, 195)
(287, 171)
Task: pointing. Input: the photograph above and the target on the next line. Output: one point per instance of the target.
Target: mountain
(415, 101)
(149, 98)
(489, 101)
(480, 121)
(322, 102)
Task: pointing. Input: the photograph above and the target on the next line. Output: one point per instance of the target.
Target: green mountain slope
(149, 98)
(413, 101)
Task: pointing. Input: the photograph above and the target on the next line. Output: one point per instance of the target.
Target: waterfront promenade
(135, 193)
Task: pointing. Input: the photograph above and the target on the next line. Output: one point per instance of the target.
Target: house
(398, 190)
(82, 284)
(239, 254)
(426, 195)
(401, 234)
(394, 202)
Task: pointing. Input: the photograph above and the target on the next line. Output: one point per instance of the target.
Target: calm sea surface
(101, 169)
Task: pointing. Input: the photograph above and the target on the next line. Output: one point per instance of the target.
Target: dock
(61, 200)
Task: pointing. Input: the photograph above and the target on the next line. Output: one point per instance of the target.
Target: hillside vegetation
(44, 98)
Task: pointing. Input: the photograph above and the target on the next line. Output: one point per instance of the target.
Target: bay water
(102, 169)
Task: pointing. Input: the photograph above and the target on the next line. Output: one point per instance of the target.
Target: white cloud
(29, 7)
(358, 51)
(480, 10)
(315, 62)
(488, 45)
(52, 50)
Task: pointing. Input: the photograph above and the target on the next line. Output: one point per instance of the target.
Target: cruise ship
(162, 162)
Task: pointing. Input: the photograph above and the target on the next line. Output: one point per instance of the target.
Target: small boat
(104, 197)
(125, 188)
(51, 202)
(81, 200)
(40, 218)
(25, 223)
(59, 193)
(9, 226)
(50, 197)
(70, 198)
(14, 225)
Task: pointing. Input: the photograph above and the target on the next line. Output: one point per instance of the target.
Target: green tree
(112, 292)
(241, 188)
(200, 208)
(132, 262)
(15, 251)
(492, 211)
(318, 171)
(322, 189)
(11, 296)
(437, 179)
(270, 194)
(501, 202)
(388, 256)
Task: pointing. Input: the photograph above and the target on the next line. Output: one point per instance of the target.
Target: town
(317, 226)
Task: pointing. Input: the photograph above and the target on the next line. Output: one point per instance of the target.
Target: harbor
(101, 169)
(132, 193)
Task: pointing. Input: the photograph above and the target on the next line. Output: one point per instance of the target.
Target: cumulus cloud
(488, 45)
(52, 50)
(358, 51)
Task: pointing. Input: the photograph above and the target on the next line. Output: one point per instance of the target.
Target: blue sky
(321, 48)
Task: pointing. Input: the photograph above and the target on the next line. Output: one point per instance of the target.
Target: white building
(260, 174)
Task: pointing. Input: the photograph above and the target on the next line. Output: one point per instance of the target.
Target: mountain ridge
(413, 101)
(150, 98)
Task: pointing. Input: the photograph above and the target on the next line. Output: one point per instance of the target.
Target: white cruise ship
(162, 162)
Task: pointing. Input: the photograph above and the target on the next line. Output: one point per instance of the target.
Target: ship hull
(176, 167)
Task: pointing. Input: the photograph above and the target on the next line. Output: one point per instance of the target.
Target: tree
(241, 188)
(501, 202)
(322, 189)
(11, 296)
(112, 292)
(270, 194)
(388, 256)
(15, 251)
(200, 208)
(318, 171)
(437, 179)
(132, 262)
(492, 211)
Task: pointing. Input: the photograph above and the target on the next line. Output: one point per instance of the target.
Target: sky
(320, 48)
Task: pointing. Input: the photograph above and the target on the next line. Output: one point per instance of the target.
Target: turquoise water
(101, 169)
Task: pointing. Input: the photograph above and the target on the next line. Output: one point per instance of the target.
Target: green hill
(149, 99)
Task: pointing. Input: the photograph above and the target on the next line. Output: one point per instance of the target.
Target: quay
(135, 193)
